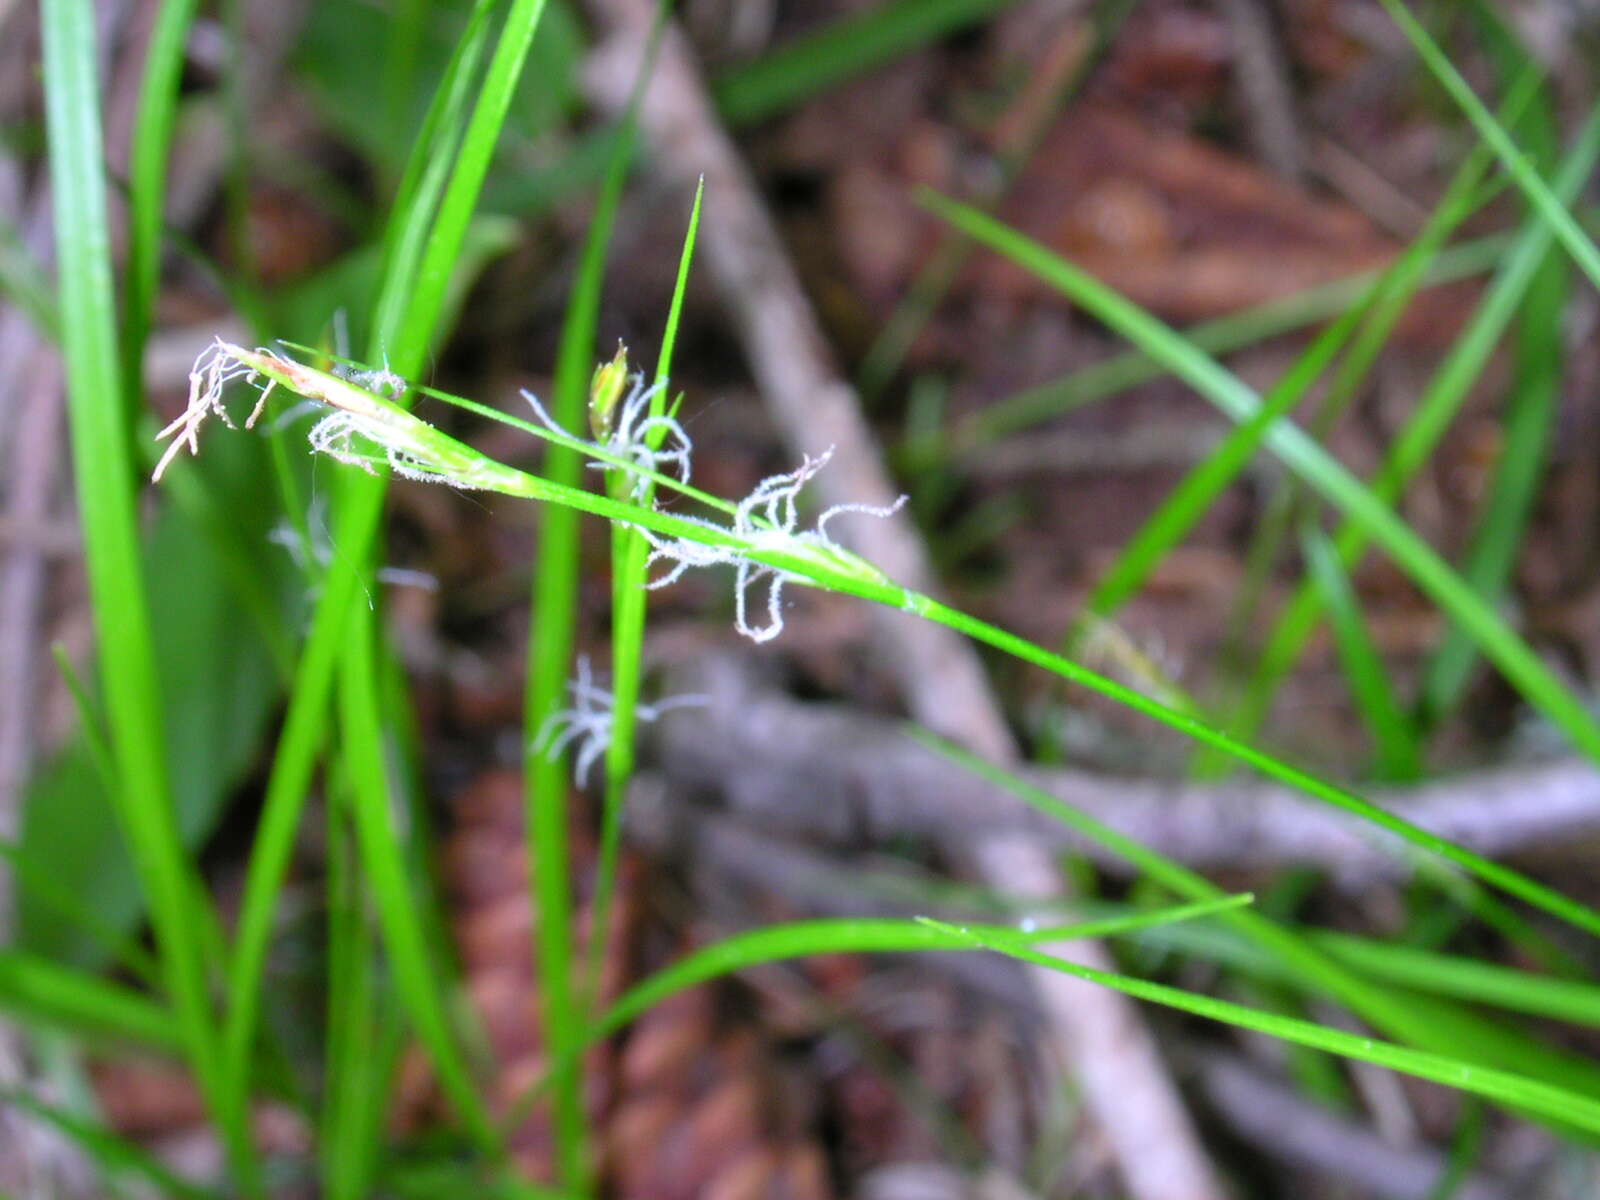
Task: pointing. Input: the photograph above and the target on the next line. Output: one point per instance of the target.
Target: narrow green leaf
(553, 633)
(147, 179)
(106, 499)
(1199, 489)
(1531, 408)
(1294, 956)
(1517, 1091)
(845, 935)
(34, 989)
(384, 865)
(25, 283)
(1434, 410)
(827, 565)
(629, 551)
(1550, 206)
(1018, 412)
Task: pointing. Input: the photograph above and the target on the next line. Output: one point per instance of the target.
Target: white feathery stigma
(767, 519)
(631, 437)
(588, 723)
(217, 367)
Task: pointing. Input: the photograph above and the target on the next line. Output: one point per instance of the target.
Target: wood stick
(832, 774)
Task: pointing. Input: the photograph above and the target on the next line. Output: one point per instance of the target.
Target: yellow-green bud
(606, 390)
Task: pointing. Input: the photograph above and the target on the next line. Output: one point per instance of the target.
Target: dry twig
(837, 776)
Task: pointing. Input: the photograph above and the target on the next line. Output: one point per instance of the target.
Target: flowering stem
(807, 559)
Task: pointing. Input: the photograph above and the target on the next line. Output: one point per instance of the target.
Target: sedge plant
(385, 974)
(768, 545)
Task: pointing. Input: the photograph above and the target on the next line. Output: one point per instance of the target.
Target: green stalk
(629, 551)
(1531, 409)
(1550, 204)
(839, 50)
(1558, 1104)
(385, 868)
(1199, 489)
(345, 1149)
(552, 633)
(147, 180)
(393, 430)
(106, 500)
(1563, 1106)
(1016, 413)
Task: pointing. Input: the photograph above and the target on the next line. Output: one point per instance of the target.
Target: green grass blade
(680, 288)
(417, 198)
(1531, 403)
(844, 935)
(629, 552)
(364, 1033)
(1289, 503)
(1508, 880)
(1378, 311)
(34, 990)
(1018, 412)
(1434, 1004)
(865, 935)
(1399, 753)
(1199, 489)
(552, 625)
(123, 949)
(1561, 1105)
(1470, 979)
(1550, 206)
(1520, 665)
(1294, 957)
(1419, 971)
(1461, 199)
(842, 49)
(1516, 1091)
(106, 498)
(1530, 423)
(147, 179)
(407, 30)
(26, 284)
(941, 267)
(416, 332)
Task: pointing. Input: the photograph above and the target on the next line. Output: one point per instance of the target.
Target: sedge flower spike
(219, 365)
(634, 440)
(767, 519)
(365, 428)
(362, 428)
(588, 723)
